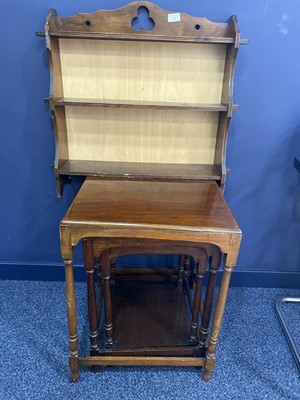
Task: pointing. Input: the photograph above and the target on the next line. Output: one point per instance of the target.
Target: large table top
(194, 206)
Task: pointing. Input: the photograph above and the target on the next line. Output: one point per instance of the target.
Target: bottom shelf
(110, 169)
(149, 315)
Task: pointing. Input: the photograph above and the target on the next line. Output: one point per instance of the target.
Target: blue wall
(262, 188)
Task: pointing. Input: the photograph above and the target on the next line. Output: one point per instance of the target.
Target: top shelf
(65, 101)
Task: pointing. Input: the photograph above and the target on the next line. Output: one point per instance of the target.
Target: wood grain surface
(169, 72)
(142, 316)
(187, 205)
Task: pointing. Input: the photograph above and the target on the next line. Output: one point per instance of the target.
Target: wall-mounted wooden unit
(143, 104)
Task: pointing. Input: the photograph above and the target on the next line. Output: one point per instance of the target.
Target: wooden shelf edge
(80, 102)
(150, 171)
(140, 37)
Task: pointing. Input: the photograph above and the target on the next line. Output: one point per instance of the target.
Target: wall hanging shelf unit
(141, 97)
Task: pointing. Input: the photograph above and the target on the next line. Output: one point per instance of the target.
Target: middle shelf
(88, 102)
(138, 170)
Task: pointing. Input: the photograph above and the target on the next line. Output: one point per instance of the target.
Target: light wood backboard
(143, 71)
(132, 70)
(131, 135)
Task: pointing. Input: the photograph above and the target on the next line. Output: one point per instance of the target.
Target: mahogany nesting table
(191, 217)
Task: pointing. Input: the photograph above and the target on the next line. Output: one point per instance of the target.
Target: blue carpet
(253, 358)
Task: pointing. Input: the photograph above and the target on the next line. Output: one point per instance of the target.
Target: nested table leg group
(207, 349)
(198, 334)
(200, 261)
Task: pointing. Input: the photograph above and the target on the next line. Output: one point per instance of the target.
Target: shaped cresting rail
(143, 20)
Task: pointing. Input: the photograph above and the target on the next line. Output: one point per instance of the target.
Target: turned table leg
(107, 300)
(88, 257)
(200, 272)
(98, 269)
(187, 266)
(180, 270)
(113, 272)
(208, 303)
(72, 320)
(216, 325)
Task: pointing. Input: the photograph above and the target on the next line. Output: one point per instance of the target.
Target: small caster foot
(206, 376)
(109, 343)
(95, 368)
(74, 377)
(74, 372)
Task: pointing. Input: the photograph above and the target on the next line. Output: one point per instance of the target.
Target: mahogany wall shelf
(153, 101)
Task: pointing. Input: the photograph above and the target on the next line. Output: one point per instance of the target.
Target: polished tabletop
(166, 205)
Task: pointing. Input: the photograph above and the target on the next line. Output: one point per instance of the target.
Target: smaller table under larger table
(172, 215)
